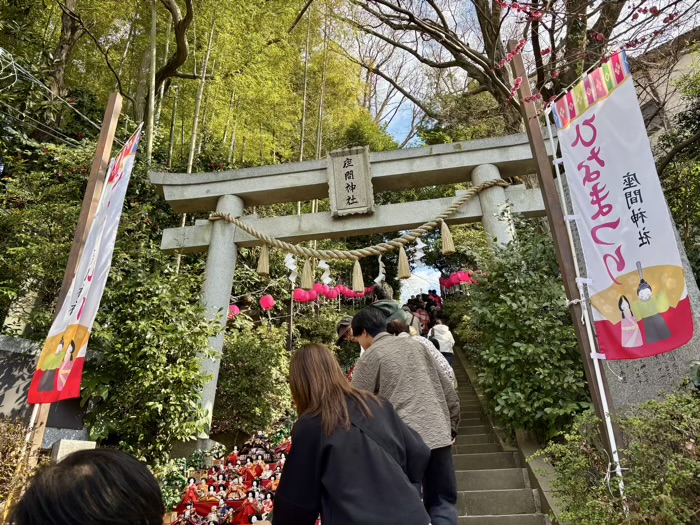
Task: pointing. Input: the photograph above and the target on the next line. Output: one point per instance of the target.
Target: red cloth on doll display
(249, 508)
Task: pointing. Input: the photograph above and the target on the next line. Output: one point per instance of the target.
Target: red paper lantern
(233, 311)
(267, 302)
(333, 294)
(318, 288)
(299, 295)
(454, 279)
(311, 295)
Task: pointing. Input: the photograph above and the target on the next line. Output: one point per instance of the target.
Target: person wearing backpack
(442, 333)
(392, 309)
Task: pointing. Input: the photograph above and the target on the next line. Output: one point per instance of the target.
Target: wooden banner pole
(93, 192)
(555, 218)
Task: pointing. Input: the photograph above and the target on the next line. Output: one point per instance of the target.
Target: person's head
(344, 330)
(319, 388)
(384, 292)
(367, 324)
(91, 487)
(397, 326)
(440, 317)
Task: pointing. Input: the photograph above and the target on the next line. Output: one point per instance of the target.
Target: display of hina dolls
(238, 489)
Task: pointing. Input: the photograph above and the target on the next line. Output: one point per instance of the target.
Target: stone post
(216, 294)
(493, 204)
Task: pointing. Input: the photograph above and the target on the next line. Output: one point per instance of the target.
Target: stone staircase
(493, 487)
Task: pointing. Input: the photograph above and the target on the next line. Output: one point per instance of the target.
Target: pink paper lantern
(454, 279)
(311, 295)
(333, 294)
(325, 289)
(267, 302)
(299, 295)
(318, 288)
(233, 311)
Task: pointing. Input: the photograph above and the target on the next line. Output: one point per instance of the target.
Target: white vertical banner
(59, 370)
(634, 273)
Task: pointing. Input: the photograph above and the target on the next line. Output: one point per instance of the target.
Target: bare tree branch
(663, 163)
(100, 48)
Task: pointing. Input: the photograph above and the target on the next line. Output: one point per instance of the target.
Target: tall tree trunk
(306, 81)
(71, 31)
(207, 111)
(321, 102)
(172, 128)
(228, 117)
(152, 84)
(198, 101)
(141, 96)
(161, 91)
(232, 145)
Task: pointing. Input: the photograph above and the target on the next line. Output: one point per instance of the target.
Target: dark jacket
(348, 478)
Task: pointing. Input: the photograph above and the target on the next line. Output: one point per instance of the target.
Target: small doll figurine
(222, 491)
(221, 480)
(260, 466)
(233, 456)
(274, 483)
(283, 460)
(191, 492)
(267, 504)
(213, 516)
(203, 487)
(236, 491)
(250, 471)
(211, 494)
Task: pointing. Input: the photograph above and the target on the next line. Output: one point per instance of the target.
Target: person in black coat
(353, 460)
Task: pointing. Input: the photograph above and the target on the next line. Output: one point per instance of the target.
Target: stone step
(498, 479)
(478, 448)
(490, 502)
(471, 412)
(475, 439)
(481, 429)
(489, 460)
(472, 421)
(513, 519)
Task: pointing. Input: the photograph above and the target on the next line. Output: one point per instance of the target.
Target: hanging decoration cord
(361, 253)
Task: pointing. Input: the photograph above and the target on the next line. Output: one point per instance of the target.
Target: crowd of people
(372, 450)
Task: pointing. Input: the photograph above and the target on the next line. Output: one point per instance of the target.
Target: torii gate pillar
(498, 227)
(216, 292)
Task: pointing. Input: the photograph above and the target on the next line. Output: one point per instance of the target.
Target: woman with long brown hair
(353, 460)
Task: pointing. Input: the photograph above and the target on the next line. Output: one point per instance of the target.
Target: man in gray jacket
(401, 370)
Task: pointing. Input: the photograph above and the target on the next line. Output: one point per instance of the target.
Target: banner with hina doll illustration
(60, 367)
(634, 273)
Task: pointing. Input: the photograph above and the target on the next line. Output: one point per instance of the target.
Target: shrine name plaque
(350, 182)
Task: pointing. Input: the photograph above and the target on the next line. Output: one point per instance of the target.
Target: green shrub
(15, 471)
(525, 347)
(660, 460)
(172, 476)
(143, 377)
(252, 392)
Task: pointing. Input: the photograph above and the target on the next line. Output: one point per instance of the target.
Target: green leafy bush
(525, 347)
(252, 392)
(172, 476)
(661, 464)
(143, 378)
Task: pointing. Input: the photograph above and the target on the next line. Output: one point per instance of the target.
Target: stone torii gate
(231, 192)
